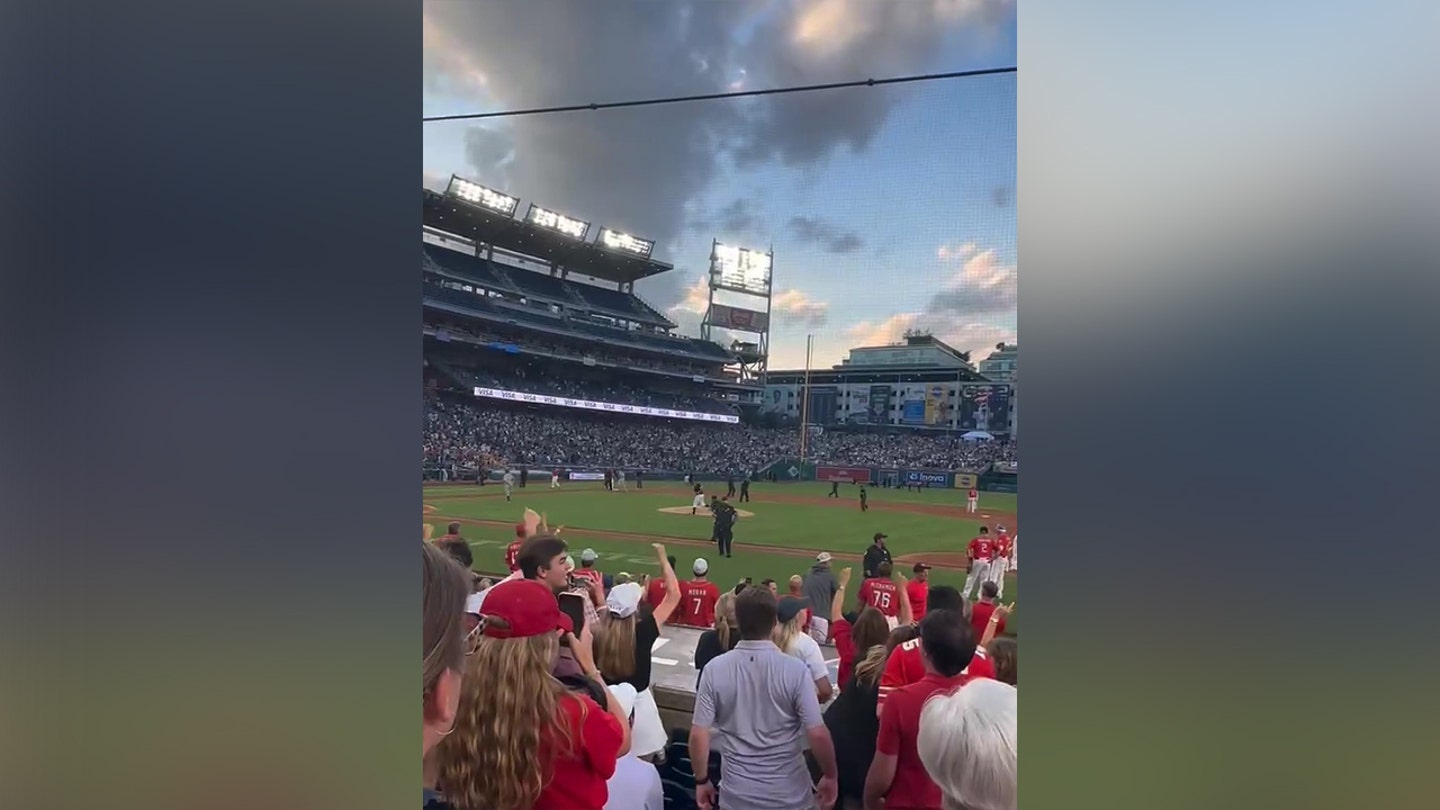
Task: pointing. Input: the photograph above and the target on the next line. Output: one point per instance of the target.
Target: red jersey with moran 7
(906, 667)
(697, 603)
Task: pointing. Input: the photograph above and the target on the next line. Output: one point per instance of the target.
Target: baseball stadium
(551, 386)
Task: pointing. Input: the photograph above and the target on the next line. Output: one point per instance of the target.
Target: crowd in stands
(462, 430)
(523, 710)
(580, 348)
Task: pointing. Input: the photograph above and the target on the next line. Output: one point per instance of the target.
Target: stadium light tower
(747, 272)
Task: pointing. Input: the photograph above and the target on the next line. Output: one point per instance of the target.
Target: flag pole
(805, 396)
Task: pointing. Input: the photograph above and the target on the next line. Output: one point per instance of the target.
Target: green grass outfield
(834, 525)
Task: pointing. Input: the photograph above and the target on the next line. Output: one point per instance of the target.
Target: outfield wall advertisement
(859, 475)
(965, 480)
(927, 478)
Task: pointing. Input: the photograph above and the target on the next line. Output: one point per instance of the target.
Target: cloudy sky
(887, 208)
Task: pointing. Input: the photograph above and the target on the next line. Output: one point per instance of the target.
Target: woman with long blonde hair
(522, 741)
(790, 636)
(622, 651)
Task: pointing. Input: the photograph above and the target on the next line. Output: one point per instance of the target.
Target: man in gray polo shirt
(761, 701)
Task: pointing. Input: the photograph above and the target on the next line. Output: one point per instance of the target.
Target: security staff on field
(725, 517)
(874, 555)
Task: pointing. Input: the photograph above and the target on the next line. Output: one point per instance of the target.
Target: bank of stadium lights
(558, 222)
(474, 193)
(625, 243)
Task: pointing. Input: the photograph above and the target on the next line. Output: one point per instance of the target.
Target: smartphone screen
(571, 606)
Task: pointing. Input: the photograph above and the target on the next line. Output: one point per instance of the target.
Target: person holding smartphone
(521, 738)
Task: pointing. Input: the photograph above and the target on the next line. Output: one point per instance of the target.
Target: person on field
(819, 587)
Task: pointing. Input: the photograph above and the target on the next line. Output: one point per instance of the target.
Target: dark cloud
(832, 238)
(982, 285)
(831, 40)
(741, 216)
(640, 169)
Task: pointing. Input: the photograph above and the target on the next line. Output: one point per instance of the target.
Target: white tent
(977, 436)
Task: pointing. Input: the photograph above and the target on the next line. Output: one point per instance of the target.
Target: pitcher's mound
(704, 510)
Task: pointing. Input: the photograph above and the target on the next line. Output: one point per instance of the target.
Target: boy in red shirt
(896, 773)
(698, 598)
(919, 590)
(984, 609)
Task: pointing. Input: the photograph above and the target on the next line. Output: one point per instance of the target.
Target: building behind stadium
(920, 384)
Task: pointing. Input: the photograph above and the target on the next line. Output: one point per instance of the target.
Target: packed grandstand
(529, 362)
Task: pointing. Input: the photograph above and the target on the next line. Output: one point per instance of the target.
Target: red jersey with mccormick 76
(981, 548)
(511, 552)
(881, 594)
(697, 603)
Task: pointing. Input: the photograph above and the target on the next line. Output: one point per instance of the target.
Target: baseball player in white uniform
(554, 479)
(1000, 563)
(509, 479)
(620, 480)
(698, 503)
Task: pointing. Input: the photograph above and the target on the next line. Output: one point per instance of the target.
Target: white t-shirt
(635, 786)
(808, 651)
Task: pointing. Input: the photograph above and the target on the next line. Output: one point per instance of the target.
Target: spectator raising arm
(1001, 611)
(837, 605)
(907, 613)
(667, 605)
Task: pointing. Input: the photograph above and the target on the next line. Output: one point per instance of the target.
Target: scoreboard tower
(742, 277)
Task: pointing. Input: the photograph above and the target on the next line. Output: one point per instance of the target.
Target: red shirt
(906, 667)
(919, 594)
(974, 494)
(845, 646)
(980, 618)
(981, 548)
(578, 780)
(697, 603)
(881, 594)
(655, 592)
(511, 552)
(1003, 544)
(899, 729)
(591, 574)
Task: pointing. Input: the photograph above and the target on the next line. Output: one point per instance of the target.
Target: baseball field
(780, 531)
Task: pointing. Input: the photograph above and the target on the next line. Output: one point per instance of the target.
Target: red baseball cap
(527, 607)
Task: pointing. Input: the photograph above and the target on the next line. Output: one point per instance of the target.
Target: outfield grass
(837, 526)
(834, 525)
